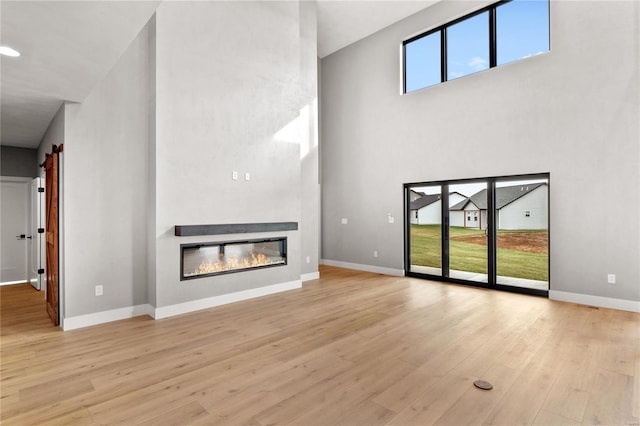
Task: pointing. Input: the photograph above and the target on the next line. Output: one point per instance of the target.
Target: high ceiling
(343, 22)
(67, 47)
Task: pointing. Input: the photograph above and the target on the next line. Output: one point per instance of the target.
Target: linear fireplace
(207, 259)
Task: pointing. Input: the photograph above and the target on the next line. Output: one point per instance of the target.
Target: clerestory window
(503, 32)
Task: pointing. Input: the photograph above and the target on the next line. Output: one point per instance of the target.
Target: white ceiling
(343, 22)
(67, 47)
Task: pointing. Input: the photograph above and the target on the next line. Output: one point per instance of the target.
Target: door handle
(20, 237)
(29, 237)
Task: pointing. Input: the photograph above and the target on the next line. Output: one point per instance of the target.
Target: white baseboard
(310, 276)
(14, 282)
(601, 302)
(210, 302)
(360, 267)
(87, 320)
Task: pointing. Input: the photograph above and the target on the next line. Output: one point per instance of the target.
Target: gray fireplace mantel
(233, 228)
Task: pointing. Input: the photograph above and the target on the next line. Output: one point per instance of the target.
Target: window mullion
(404, 68)
(443, 54)
(492, 38)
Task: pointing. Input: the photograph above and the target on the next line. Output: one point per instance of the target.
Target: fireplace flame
(226, 263)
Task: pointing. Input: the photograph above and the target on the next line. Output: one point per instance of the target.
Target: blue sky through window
(522, 29)
(468, 46)
(423, 62)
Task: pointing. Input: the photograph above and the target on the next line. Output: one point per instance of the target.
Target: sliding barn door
(52, 236)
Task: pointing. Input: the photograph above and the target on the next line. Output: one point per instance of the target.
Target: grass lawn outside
(472, 257)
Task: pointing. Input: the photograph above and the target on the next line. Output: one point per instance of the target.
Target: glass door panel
(468, 259)
(522, 233)
(425, 212)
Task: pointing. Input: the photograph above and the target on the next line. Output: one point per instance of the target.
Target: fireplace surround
(198, 260)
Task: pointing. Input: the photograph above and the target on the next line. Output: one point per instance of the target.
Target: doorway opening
(488, 232)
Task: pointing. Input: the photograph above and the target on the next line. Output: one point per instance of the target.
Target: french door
(489, 232)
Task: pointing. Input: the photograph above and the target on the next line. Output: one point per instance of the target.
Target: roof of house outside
(504, 196)
(424, 201)
(429, 199)
(462, 205)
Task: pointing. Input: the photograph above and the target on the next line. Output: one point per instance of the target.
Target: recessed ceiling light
(7, 51)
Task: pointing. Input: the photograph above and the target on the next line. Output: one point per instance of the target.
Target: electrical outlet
(308, 259)
(391, 218)
(234, 175)
(99, 290)
(611, 278)
(247, 176)
(375, 253)
(345, 220)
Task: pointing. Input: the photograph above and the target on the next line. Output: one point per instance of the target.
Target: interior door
(52, 237)
(14, 213)
(37, 246)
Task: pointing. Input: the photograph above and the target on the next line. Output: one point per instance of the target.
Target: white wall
(206, 88)
(105, 189)
(456, 218)
(572, 112)
(151, 172)
(430, 214)
(228, 80)
(309, 148)
(512, 216)
(53, 136)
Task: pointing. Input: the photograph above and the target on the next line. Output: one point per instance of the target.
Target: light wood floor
(352, 348)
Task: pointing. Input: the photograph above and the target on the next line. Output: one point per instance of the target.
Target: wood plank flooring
(352, 348)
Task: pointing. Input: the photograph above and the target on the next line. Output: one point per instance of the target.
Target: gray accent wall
(151, 172)
(18, 162)
(572, 112)
(106, 181)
